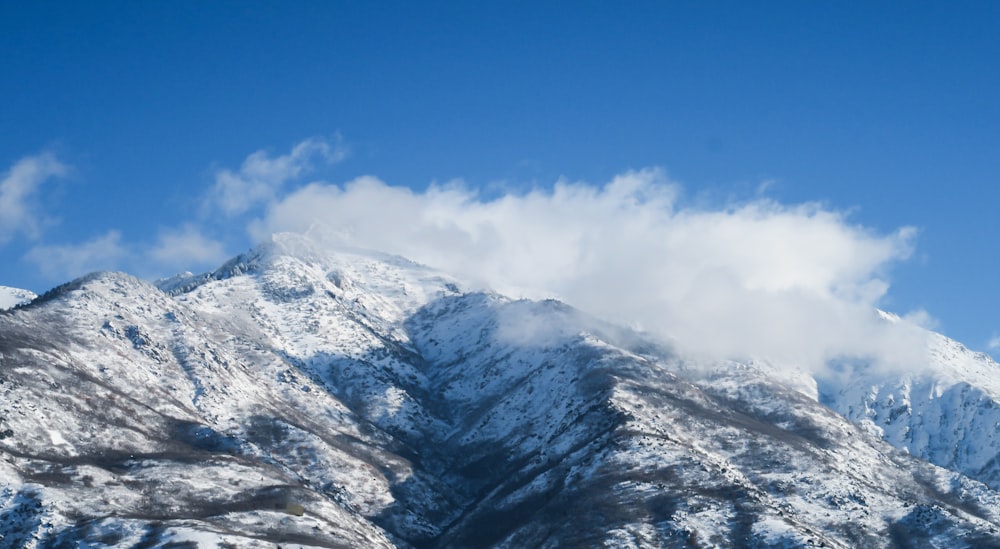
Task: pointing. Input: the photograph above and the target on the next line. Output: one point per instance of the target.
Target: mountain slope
(352, 399)
(948, 413)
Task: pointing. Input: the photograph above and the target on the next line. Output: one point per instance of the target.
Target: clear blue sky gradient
(890, 108)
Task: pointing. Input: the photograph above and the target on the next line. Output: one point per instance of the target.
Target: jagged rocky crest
(305, 397)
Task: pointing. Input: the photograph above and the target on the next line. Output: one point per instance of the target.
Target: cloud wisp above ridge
(19, 186)
(64, 261)
(261, 177)
(793, 283)
(193, 243)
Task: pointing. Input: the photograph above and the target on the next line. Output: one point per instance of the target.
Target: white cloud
(261, 176)
(994, 343)
(795, 283)
(922, 318)
(186, 248)
(65, 261)
(790, 283)
(18, 208)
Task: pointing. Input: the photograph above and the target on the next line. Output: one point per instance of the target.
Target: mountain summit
(12, 297)
(301, 396)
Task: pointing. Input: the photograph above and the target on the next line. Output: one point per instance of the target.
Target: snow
(12, 297)
(57, 438)
(947, 413)
(350, 397)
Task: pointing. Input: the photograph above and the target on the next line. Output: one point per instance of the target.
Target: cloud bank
(792, 283)
(795, 284)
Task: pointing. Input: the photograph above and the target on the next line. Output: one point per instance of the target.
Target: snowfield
(310, 398)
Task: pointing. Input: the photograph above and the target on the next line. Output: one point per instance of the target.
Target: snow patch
(12, 297)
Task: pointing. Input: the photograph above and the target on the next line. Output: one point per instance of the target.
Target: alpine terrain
(302, 397)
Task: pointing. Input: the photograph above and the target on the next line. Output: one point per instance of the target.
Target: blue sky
(886, 112)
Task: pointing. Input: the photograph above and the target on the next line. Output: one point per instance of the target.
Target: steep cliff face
(350, 399)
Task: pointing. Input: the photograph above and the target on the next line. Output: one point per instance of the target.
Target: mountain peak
(102, 282)
(295, 251)
(12, 297)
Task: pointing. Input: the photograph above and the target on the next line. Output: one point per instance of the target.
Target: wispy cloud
(994, 343)
(19, 211)
(794, 283)
(66, 261)
(261, 176)
(186, 248)
(260, 180)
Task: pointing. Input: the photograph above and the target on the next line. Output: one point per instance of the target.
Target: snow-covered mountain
(12, 297)
(304, 397)
(948, 415)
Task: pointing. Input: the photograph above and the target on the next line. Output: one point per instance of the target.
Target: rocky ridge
(351, 399)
